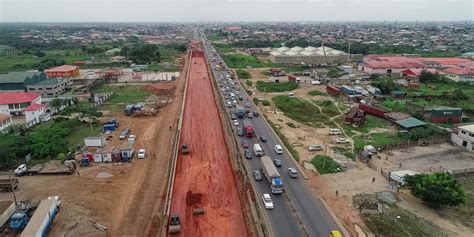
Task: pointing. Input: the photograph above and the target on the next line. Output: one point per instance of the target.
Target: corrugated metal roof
(17, 77)
(410, 122)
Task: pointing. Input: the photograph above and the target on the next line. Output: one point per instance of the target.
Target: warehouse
(18, 81)
(308, 55)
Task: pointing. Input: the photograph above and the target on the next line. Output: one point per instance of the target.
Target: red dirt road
(204, 178)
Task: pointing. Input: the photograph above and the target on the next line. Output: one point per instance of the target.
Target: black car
(257, 175)
(263, 138)
(255, 114)
(277, 162)
(248, 154)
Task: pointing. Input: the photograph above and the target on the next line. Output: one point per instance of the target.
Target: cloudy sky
(234, 10)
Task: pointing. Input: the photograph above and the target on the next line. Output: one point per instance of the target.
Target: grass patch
(408, 224)
(445, 88)
(125, 94)
(316, 93)
(325, 164)
(370, 122)
(335, 72)
(328, 107)
(300, 110)
(285, 141)
(82, 131)
(224, 48)
(248, 83)
(344, 151)
(242, 74)
(395, 105)
(276, 87)
(375, 139)
(266, 103)
(243, 61)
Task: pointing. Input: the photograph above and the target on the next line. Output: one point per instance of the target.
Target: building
(443, 62)
(464, 136)
(51, 87)
(308, 55)
(468, 55)
(13, 103)
(415, 73)
(34, 114)
(18, 81)
(459, 74)
(376, 64)
(62, 71)
(5, 122)
(446, 115)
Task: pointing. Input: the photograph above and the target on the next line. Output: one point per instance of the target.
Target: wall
(33, 117)
(459, 138)
(5, 124)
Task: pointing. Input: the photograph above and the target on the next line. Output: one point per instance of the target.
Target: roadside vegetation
(244, 61)
(316, 93)
(325, 164)
(285, 141)
(248, 83)
(269, 87)
(242, 74)
(301, 110)
(125, 94)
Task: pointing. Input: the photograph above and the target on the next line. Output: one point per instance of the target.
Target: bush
(265, 73)
(315, 93)
(300, 110)
(266, 103)
(335, 72)
(255, 101)
(242, 74)
(437, 189)
(276, 87)
(291, 125)
(325, 164)
(248, 83)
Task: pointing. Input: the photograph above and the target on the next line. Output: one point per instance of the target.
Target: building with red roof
(417, 72)
(34, 114)
(444, 62)
(13, 103)
(234, 28)
(376, 64)
(460, 74)
(5, 122)
(64, 71)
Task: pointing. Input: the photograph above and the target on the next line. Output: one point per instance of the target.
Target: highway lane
(314, 216)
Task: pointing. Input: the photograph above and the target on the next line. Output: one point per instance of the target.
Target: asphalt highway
(297, 212)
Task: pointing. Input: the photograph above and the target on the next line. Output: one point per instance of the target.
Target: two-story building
(13, 103)
(51, 87)
(35, 114)
(464, 136)
(5, 122)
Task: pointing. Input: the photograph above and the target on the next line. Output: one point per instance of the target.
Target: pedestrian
(78, 173)
(373, 179)
(400, 165)
(170, 127)
(337, 193)
(381, 171)
(154, 155)
(398, 188)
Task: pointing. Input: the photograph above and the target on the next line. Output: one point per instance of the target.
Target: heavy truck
(271, 174)
(248, 129)
(45, 213)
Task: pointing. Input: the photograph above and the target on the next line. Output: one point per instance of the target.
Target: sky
(234, 10)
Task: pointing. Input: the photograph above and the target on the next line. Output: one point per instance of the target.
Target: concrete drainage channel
(261, 227)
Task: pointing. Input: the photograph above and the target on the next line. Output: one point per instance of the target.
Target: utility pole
(13, 189)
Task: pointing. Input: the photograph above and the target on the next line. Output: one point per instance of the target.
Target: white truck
(271, 174)
(42, 218)
(374, 90)
(258, 150)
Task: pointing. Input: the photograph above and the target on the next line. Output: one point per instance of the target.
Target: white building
(34, 114)
(460, 74)
(464, 136)
(308, 55)
(13, 103)
(5, 122)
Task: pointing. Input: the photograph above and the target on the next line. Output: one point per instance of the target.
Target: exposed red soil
(204, 178)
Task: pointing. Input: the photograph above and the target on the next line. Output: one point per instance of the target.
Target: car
(236, 122)
(278, 149)
(21, 170)
(249, 115)
(131, 138)
(241, 98)
(263, 138)
(257, 175)
(233, 116)
(267, 201)
(335, 233)
(229, 104)
(255, 113)
(141, 153)
(245, 144)
(335, 131)
(248, 154)
(277, 162)
(237, 92)
(247, 105)
(223, 89)
(184, 149)
(240, 132)
(315, 82)
(315, 147)
(293, 173)
(342, 140)
(234, 102)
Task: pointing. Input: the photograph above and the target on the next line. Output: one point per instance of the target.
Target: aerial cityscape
(239, 118)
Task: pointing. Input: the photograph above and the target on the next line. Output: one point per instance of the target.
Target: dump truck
(271, 174)
(8, 183)
(175, 225)
(42, 218)
(248, 129)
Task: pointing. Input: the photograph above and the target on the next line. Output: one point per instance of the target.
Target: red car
(245, 144)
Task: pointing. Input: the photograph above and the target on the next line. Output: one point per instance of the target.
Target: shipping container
(372, 110)
(333, 90)
(348, 90)
(446, 115)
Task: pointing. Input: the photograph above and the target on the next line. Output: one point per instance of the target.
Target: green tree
(144, 53)
(427, 77)
(12, 147)
(459, 94)
(437, 189)
(385, 84)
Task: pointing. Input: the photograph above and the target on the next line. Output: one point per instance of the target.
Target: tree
(56, 103)
(12, 147)
(39, 54)
(427, 77)
(144, 53)
(385, 84)
(459, 94)
(437, 189)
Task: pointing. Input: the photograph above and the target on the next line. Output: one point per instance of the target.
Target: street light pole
(13, 189)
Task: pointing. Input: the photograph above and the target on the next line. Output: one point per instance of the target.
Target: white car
(315, 147)
(141, 153)
(278, 149)
(20, 170)
(342, 140)
(293, 173)
(131, 138)
(335, 131)
(236, 122)
(267, 201)
(315, 82)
